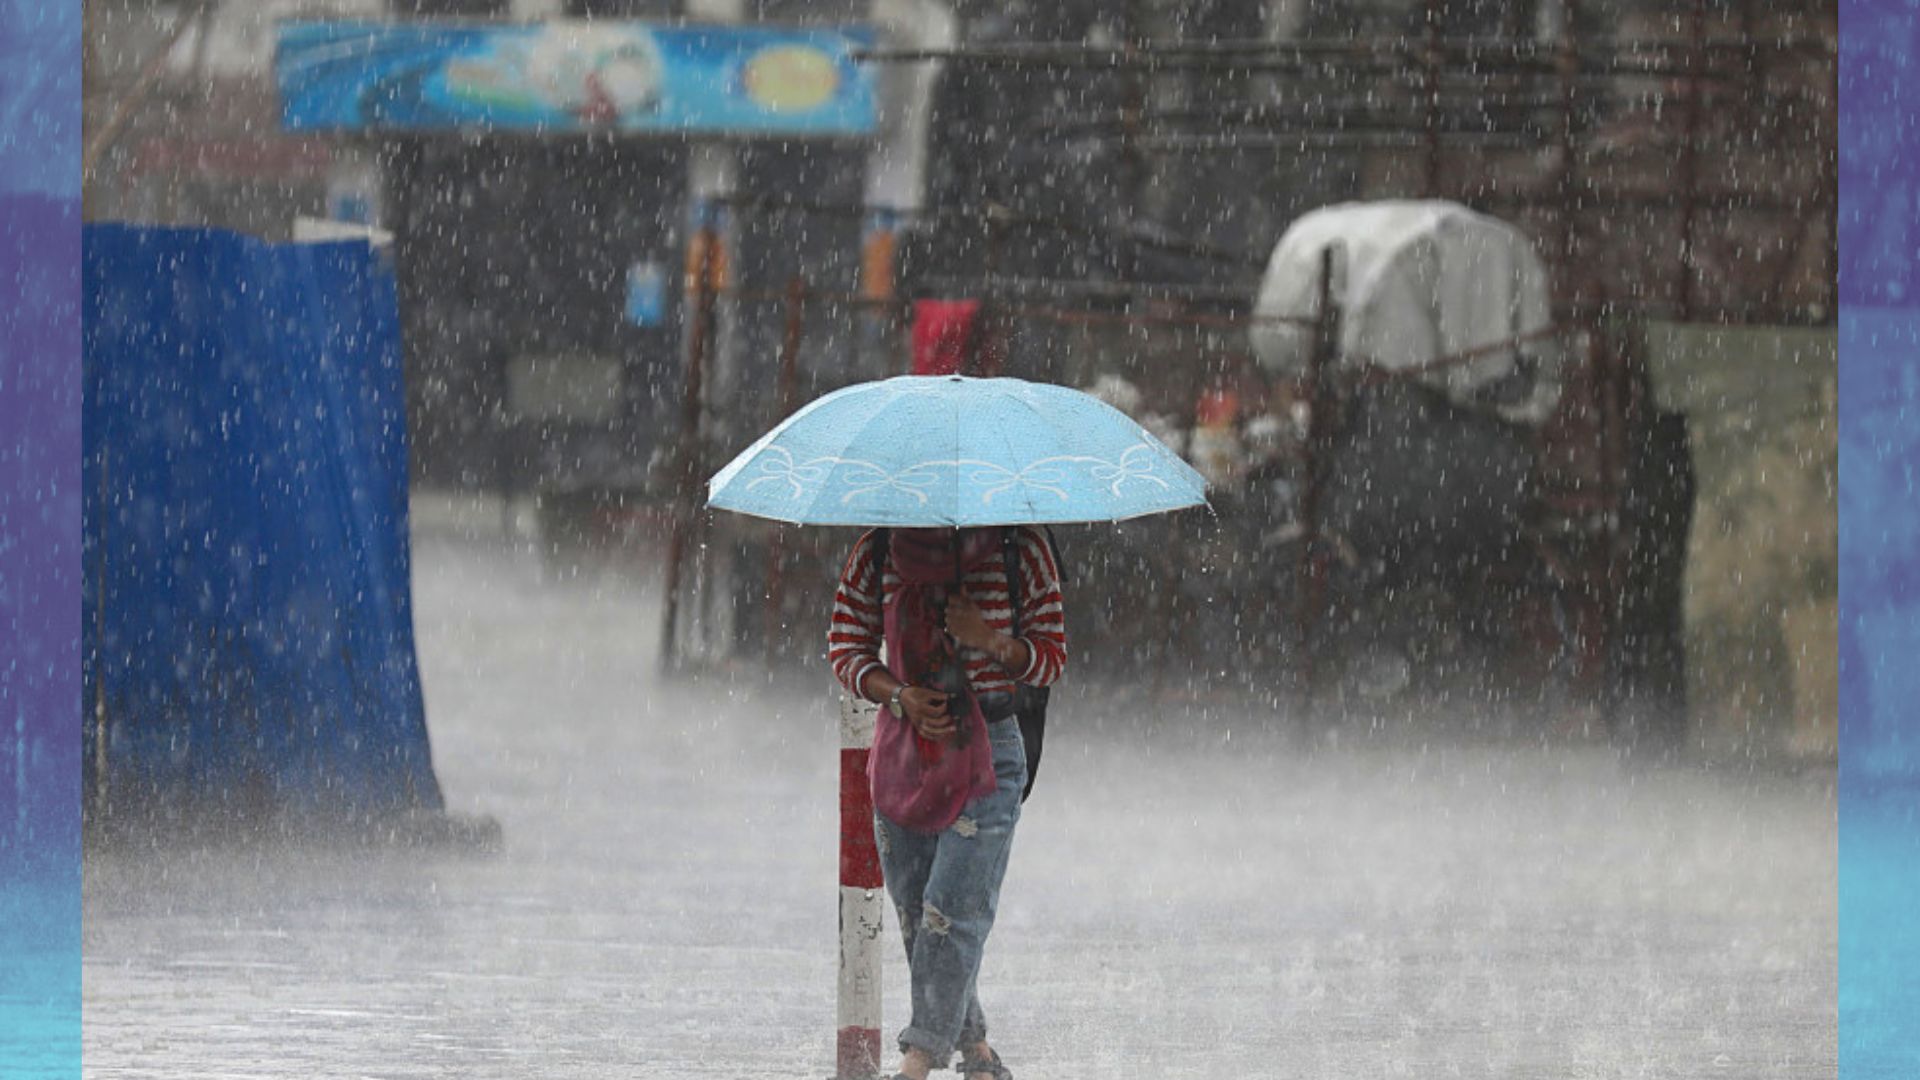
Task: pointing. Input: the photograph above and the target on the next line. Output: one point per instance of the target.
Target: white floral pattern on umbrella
(951, 450)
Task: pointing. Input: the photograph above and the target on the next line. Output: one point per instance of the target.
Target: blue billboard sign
(568, 76)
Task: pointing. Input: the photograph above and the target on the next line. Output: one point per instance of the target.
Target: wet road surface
(1194, 892)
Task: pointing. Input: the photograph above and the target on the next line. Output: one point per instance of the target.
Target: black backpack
(1029, 702)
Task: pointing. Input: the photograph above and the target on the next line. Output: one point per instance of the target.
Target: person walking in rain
(970, 645)
(961, 638)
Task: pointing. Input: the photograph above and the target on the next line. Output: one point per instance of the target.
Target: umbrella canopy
(929, 451)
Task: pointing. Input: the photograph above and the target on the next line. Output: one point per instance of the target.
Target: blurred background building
(1112, 177)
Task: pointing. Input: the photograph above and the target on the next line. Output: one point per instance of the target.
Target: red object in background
(948, 339)
(1219, 406)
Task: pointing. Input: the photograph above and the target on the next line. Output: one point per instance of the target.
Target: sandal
(992, 1066)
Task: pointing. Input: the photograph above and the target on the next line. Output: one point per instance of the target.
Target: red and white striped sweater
(853, 639)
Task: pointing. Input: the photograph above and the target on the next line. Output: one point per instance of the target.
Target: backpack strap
(882, 549)
(1030, 702)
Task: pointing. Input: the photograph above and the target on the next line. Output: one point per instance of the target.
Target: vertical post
(1567, 67)
(1607, 361)
(700, 270)
(897, 165)
(1133, 40)
(857, 1043)
(986, 349)
(1430, 85)
(788, 393)
(878, 318)
(1310, 574)
(1690, 155)
(713, 170)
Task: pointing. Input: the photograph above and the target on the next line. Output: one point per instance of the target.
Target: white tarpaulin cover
(1418, 281)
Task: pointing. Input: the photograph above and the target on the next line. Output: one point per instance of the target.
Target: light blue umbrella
(945, 450)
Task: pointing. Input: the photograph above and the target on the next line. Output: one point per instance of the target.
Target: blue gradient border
(40, 137)
(1880, 583)
(1879, 226)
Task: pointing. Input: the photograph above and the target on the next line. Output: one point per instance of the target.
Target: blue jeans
(945, 889)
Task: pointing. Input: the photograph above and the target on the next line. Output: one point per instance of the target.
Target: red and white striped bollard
(861, 901)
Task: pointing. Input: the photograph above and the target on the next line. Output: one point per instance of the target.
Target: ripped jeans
(945, 889)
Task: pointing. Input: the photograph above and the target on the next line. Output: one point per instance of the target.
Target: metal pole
(713, 170)
(788, 393)
(1568, 60)
(879, 319)
(857, 1012)
(1430, 85)
(1690, 155)
(1133, 106)
(1607, 362)
(700, 301)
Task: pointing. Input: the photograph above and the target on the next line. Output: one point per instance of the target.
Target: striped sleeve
(853, 636)
(1043, 623)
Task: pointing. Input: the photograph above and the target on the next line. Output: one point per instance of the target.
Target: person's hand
(967, 625)
(927, 712)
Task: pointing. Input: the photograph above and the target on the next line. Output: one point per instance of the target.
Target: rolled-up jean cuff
(937, 1050)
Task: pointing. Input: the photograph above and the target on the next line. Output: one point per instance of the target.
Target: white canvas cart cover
(1417, 282)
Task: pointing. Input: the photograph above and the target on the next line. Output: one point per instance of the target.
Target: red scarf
(931, 563)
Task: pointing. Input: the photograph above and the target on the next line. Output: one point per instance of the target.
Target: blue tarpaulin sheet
(247, 612)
